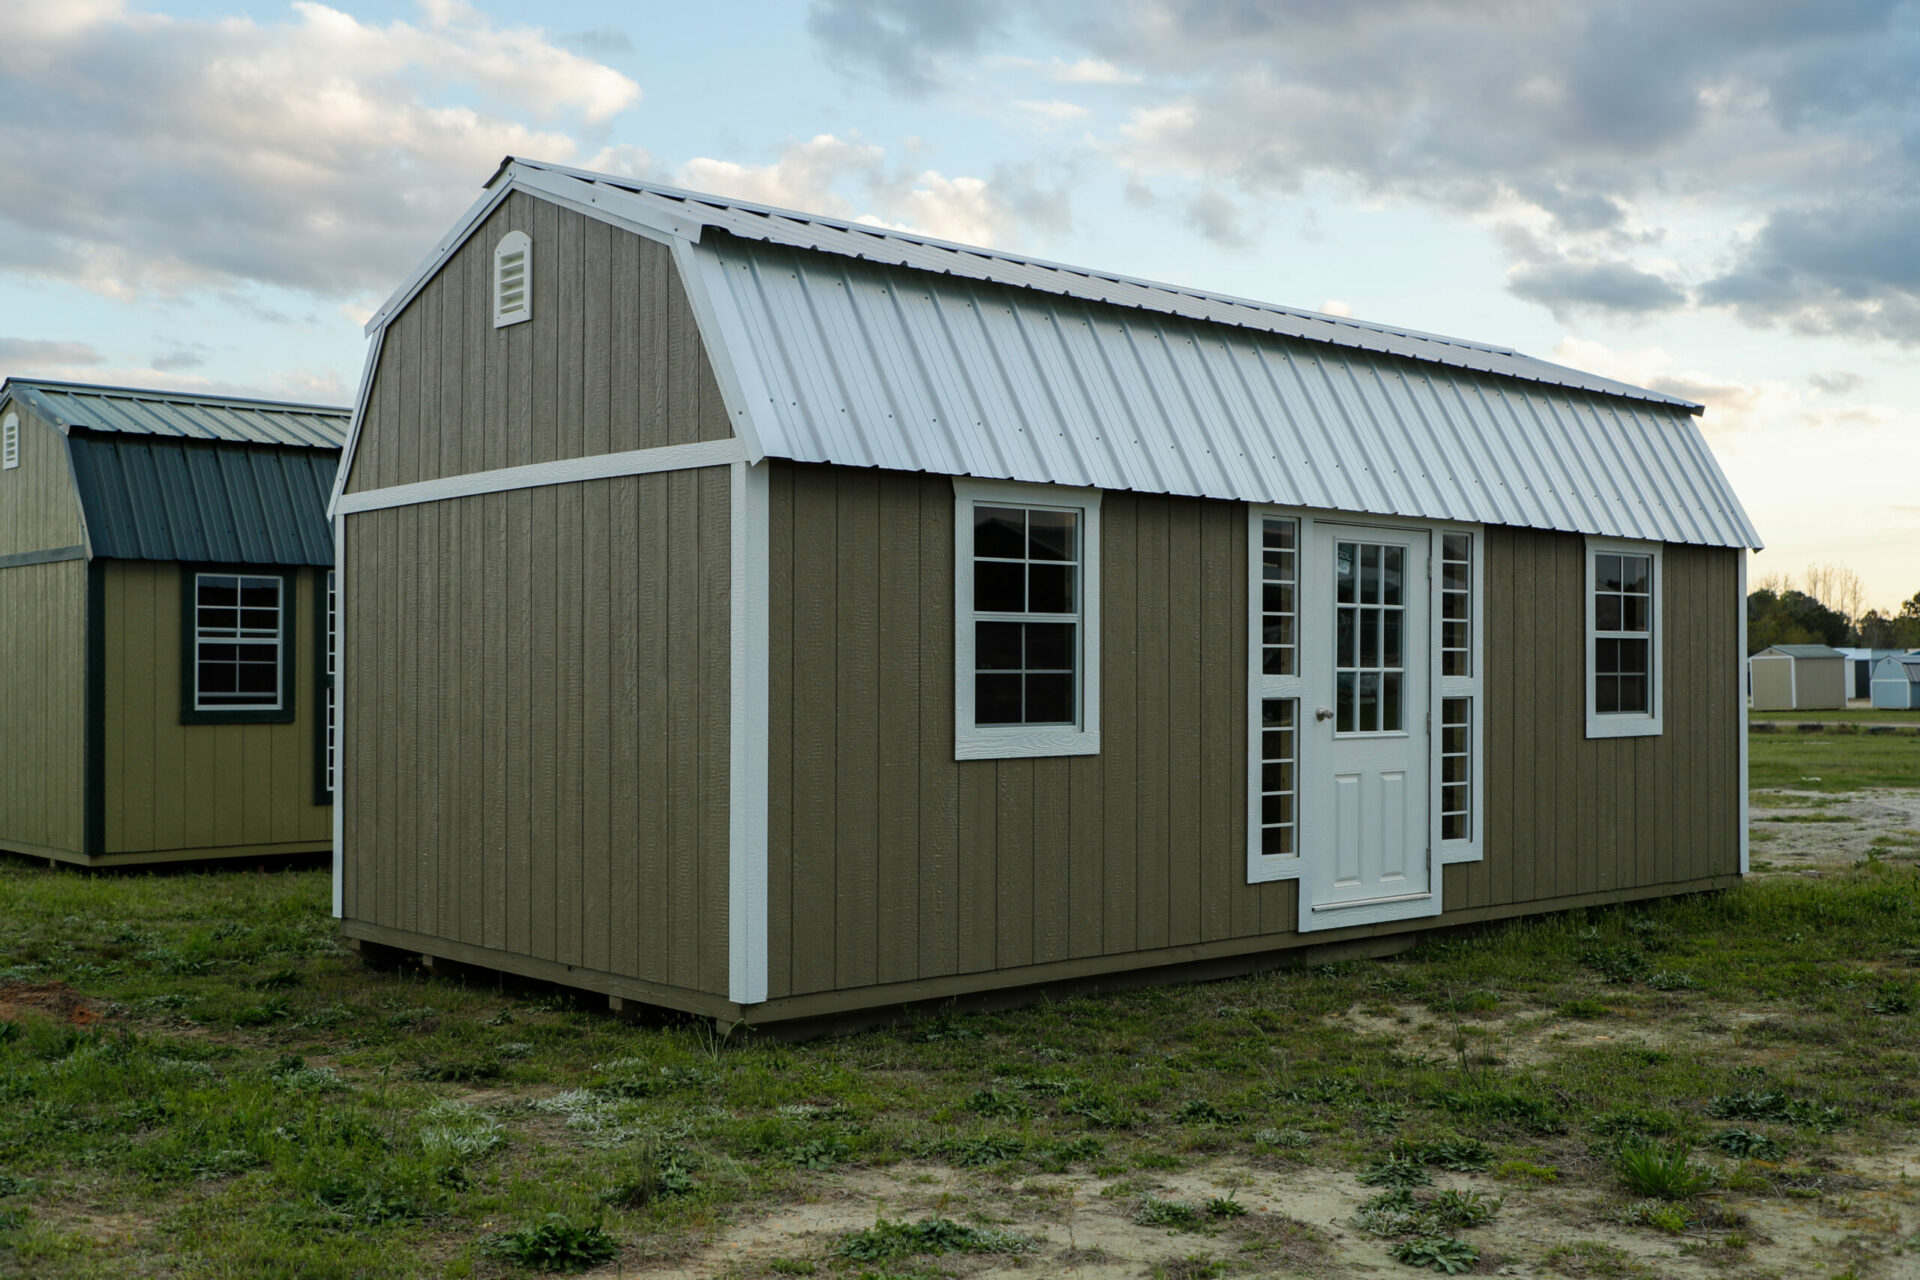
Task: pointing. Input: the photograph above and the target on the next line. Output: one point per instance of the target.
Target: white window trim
(511, 242)
(1015, 742)
(10, 448)
(1630, 724)
(1265, 867)
(1471, 686)
(200, 639)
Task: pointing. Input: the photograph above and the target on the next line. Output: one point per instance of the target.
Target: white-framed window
(238, 642)
(1623, 668)
(1026, 620)
(1278, 687)
(512, 279)
(1458, 778)
(10, 442)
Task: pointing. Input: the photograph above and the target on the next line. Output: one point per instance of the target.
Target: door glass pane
(1390, 713)
(1344, 571)
(1279, 581)
(1392, 565)
(1278, 818)
(1370, 650)
(1344, 700)
(1369, 573)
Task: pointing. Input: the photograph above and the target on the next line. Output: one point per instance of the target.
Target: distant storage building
(778, 617)
(1896, 682)
(1860, 665)
(165, 570)
(1799, 677)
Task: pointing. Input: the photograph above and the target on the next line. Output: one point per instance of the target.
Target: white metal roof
(842, 343)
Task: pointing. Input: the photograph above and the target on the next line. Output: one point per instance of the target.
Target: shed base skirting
(159, 856)
(831, 1012)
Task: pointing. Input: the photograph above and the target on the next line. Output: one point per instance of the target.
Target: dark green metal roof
(181, 415)
(153, 498)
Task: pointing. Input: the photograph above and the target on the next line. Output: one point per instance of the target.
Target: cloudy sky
(1716, 198)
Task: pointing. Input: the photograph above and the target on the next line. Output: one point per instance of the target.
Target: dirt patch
(1800, 831)
(1300, 1223)
(49, 1000)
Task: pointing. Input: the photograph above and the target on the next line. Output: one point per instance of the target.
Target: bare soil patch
(1800, 831)
(49, 1000)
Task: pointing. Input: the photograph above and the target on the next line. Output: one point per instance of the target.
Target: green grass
(1852, 715)
(245, 1097)
(1833, 762)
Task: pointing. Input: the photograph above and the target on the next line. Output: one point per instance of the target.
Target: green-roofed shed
(1799, 677)
(166, 569)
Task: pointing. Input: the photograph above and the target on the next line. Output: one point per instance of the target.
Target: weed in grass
(1748, 1144)
(1771, 1104)
(558, 1243)
(1584, 1009)
(1103, 1114)
(13, 1184)
(638, 1078)
(885, 1240)
(1635, 1122)
(1620, 965)
(1450, 1151)
(1395, 1171)
(793, 1267)
(999, 1103)
(13, 1220)
(1671, 980)
(1178, 1215)
(1200, 1112)
(651, 1177)
(1660, 1215)
(1447, 1254)
(1400, 1213)
(1283, 1139)
(1525, 1171)
(1495, 1103)
(1195, 1266)
(1667, 1173)
(1894, 999)
(1224, 1207)
(458, 1071)
(817, 1153)
(1584, 1258)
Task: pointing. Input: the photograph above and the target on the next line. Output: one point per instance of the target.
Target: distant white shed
(1798, 677)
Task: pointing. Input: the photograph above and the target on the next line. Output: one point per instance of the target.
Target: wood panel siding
(610, 361)
(43, 653)
(536, 730)
(39, 506)
(199, 790)
(891, 863)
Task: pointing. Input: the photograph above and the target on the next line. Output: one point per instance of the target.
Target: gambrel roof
(839, 342)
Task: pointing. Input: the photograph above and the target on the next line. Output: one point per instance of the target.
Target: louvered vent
(512, 279)
(10, 445)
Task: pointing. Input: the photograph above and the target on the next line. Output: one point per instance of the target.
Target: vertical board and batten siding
(43, 656)
(610, 362)
(39, 507)
(43, 640)
(536, 728)
(892, 862)
(199, 788)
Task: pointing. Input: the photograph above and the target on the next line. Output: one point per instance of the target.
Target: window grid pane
(1279, 596)
(1026, 604)
(1456, 600)
(1279, 786)
(1623, 634)
(1369, 665)
(1456, 773)
(237, 642)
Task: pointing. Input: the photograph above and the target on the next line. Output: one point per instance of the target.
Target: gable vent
(512, 279)
(10, 444)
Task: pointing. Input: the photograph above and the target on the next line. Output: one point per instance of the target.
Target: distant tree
(1891, 631)
(1792, 617)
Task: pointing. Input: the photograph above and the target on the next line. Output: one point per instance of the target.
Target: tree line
(1827, 607)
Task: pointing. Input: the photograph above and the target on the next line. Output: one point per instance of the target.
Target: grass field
(197, 1080)
(1852, 715)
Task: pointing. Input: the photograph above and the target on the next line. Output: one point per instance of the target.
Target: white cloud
(1336, 307)
(1089, 71)
(1732, 405)
(1052, 111)
(320, 152)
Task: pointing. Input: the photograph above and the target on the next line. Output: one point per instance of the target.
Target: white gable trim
(353, 428)
(598, 466)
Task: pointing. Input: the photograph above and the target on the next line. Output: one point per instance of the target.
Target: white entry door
(1367, 845)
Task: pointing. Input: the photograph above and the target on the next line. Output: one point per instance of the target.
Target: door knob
(1323, 713)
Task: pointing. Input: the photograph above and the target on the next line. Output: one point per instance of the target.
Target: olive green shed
(779, 618)
(127, 519)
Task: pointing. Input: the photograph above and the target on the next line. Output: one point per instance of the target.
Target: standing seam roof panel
(868, 368)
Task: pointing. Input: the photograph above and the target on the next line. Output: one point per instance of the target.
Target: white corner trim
(724, 335)
(607, 203)
(599, 466)
(353, 426)
(1628, 726)
(1740, 678)
(339, 705)
(747, 739)
(1013, 742)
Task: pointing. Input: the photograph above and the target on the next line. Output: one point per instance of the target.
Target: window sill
(1266, 868)
(1623, 726)
(1025, 744)
(277, 716)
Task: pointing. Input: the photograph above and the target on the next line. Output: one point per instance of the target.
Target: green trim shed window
(238, 647)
